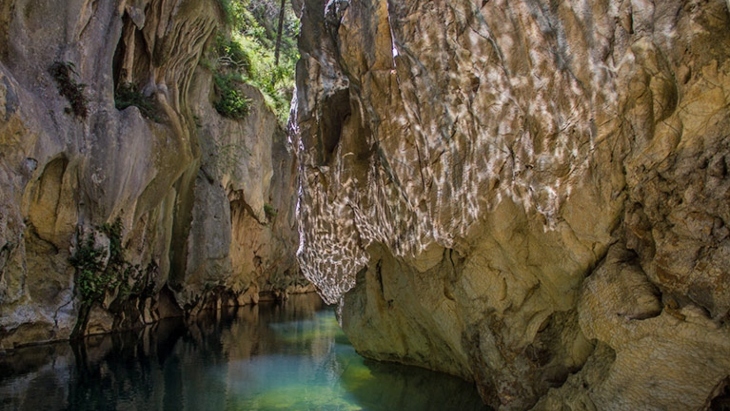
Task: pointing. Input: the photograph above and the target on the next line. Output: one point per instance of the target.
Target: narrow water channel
(291, 356)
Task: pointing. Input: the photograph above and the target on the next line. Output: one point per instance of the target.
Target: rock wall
(532, 195)
(188, 186)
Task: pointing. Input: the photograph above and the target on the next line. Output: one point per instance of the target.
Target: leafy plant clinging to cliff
(228, 7)
(231, 54)
(270, 211)
(231, 102)
(63, 73)
(94, 279)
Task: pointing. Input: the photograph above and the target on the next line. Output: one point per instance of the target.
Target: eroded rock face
(244, 214)
(466, 166)
(168, 174)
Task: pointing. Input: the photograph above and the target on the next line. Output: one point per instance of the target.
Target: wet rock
(100, 321)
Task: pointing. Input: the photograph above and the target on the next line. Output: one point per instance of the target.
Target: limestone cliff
(529, 194)
(189, 188)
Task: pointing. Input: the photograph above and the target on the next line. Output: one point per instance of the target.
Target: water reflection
(266, 357)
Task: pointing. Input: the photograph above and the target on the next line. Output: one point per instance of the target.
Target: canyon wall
(153, 209)
(532, 195)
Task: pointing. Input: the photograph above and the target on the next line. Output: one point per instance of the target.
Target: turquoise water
(267, 357)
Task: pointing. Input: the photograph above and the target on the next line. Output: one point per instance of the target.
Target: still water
(291, 356)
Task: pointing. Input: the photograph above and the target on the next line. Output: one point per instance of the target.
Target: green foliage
(94, 278)
(116, 253)
(247, 50)
(98, 276)
(232, 55)
(230, 101)
(229, 9)
(270, 211)
(63, 73)
(127, 95)
(225, 7)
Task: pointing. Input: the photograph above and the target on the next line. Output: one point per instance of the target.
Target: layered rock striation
(165, 190)
(532, 195)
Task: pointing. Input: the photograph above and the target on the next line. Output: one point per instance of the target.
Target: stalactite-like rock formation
(529, 194)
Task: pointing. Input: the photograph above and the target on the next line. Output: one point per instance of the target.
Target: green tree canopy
(245, 50)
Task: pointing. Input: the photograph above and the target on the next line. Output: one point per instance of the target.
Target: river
(290, 356)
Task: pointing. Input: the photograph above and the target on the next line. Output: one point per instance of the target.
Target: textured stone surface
(465, 167)
(246, 169)
(665, 359)
(174, 181)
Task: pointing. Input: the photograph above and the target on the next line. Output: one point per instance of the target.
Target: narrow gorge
(126, 196)
(530, 195)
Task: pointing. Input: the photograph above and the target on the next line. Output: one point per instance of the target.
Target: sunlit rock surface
(465, 167)
(190, 187)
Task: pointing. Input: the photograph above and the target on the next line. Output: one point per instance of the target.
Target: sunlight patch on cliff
(458, 127)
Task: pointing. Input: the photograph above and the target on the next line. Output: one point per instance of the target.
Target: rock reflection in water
(265, 357)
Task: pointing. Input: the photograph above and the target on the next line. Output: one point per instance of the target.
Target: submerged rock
(465, 168)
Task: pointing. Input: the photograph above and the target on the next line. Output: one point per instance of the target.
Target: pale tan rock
(244, 214)
(670, 359)
(100, 321)
(524, 139)
(250, 296)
